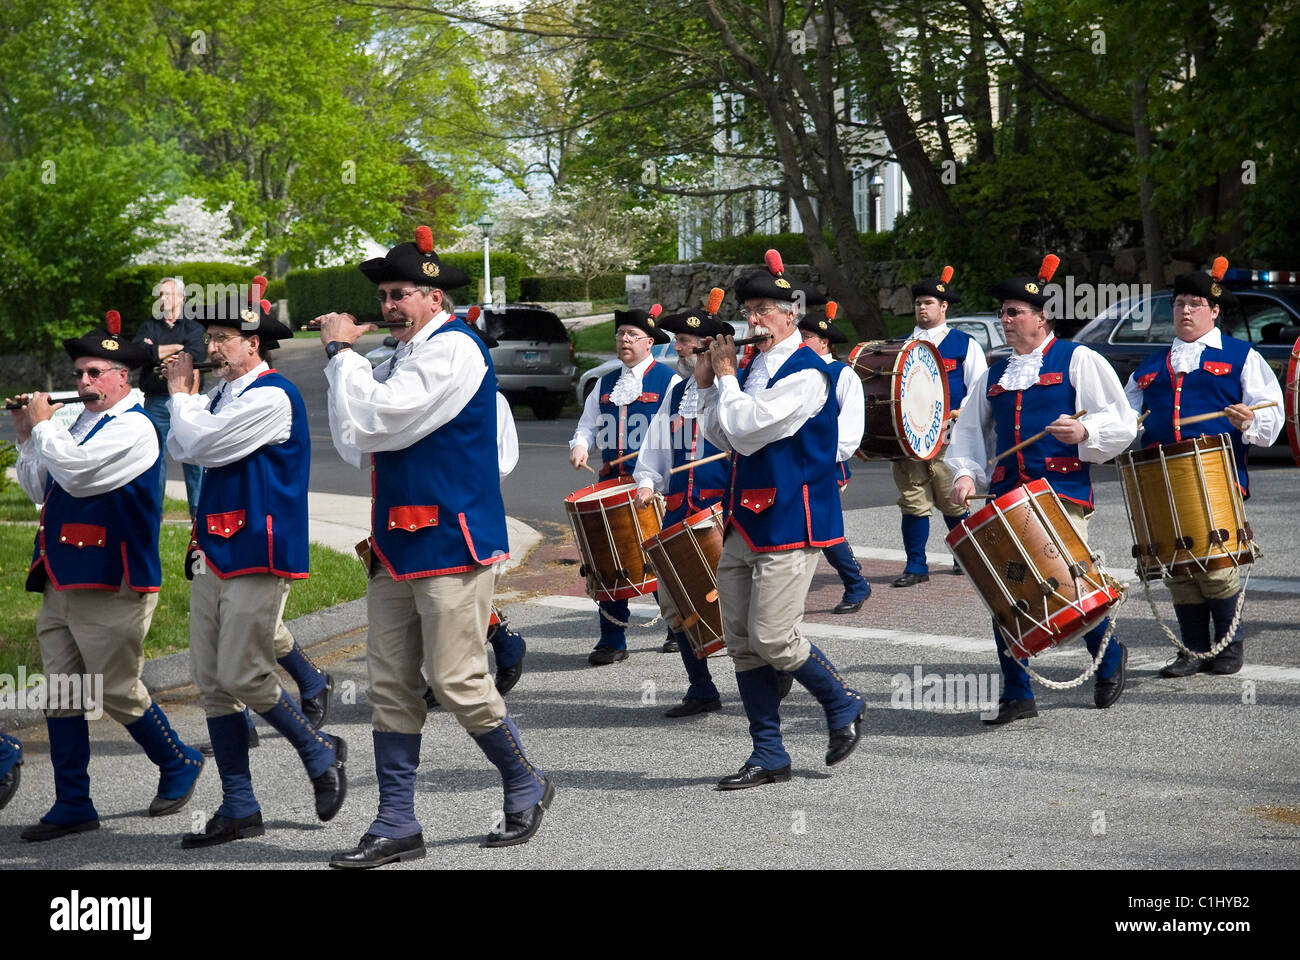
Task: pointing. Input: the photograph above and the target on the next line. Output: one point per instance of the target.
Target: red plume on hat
(1219, 268)
(945, 275)
(113, 322)
(424, 239)
(1048, 267)
(832, 308)
(774, 265)
(258, 287)
(472, 315)
(656, 310)
(716, 296)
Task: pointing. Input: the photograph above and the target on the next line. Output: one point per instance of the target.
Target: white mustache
(759, 330)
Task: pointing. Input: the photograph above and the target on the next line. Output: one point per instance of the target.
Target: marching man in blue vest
(1040, 387)
(1206, 370)
(438, 527)
(250, 433)
(11, 763)
(674, 440)
(925, 484)
(96, 563)
(780, 420)
(818, 334)
(615, 420)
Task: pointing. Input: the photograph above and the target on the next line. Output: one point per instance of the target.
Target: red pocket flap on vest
(758, 500)
(1047, 379)
(604, 398)
(412, 518)
(1063, 464)
(949, 365)
(1146, 380)
(711, 494)
(648, 398)
(674, 500)
(999, 474)
(995, 390)
(1217, 368)
(225, 524)
(82, 535)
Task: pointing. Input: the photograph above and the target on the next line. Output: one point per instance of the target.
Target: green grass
(608, 306)
(595, 339)
(335, 578)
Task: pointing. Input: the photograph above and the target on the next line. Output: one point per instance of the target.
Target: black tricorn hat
(415, 262)
(107, 343)
(1207, 285)
(648, 321)
(825, 326)
(1028, 289)
(771, 284)
(699, 321)
(249, 315)
(937, 287)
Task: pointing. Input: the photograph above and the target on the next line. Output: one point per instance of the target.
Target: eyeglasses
(748, 313)
(397, 296)
(218, 338)
(1192, 304)
(630, 335)
(1012, 312)
(93, 372)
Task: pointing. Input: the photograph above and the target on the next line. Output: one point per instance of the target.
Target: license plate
(532, 356)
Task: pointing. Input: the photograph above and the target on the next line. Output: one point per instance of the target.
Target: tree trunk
(1024, 119)
(1152, 241)
(976, 83)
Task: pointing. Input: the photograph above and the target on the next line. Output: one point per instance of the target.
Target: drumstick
(626, 456)
(1218, 413)
(1034, 439)
(695, 463)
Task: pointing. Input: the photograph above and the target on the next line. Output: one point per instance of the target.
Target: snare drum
(609, 530)
(1033, 571)
(906, 392)
(1184, 507)
(1292, 404)
(686, 558)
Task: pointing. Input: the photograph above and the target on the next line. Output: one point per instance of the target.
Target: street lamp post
(486, 223)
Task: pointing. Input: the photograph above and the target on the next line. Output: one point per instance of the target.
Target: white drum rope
(1081, 678)
(620, 623)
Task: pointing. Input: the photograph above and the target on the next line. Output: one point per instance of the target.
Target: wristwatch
(334, 346)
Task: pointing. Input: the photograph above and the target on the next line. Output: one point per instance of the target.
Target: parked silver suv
(533, 357)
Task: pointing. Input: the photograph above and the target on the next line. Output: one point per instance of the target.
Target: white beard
(686, 366)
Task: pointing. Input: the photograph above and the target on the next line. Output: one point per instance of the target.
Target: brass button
(227, 530)
(412, 526)
(63, 539)
(81, 543)
(392, 523)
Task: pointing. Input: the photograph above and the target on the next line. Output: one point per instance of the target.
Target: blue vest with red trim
(785, 495)
(93, 543)
(1214, 385)
(252, 514)
(700, 487)
(1019, 414)
(438, 507)
(618, 435)
(953, 349)
(842, 471)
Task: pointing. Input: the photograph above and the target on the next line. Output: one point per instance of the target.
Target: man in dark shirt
(167, 336)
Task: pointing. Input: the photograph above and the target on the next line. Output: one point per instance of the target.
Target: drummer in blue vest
(96, 563)
(11, 762)
(251, 436)
(614, 421)
(925, 484)
(780, 420)
(1039, 387)
(818, 334)
(438, 531)
(1206, 370)
(674, 440)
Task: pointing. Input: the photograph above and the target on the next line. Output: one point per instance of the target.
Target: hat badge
(939, 287)
(109, 344)
(1216, 290)
(429, 268)
(650, 321)
(692, 321)
(248, 316)
(822, 324)
(1031, 288)
(783, 283)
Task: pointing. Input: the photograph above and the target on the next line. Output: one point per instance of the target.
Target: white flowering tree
(188, 230)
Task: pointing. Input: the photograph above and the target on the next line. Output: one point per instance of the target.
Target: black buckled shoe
(849, 606)
(222, 829)
(41, 831)
(784, 681)
(161, 806)
(689, 708)
(1107, 691)
(910, 579)
(1184, 666)
(1009, 710)
(520, 827)
(9, 784)
(843, 740)
(507, 677)
(956, 569)
(751, 776)
(375, 851)
(603, 656)
(317, 709)
(331, 787)
(1230, 660)
(670, 646)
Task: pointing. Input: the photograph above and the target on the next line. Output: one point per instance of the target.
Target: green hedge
(607, 286)
(345, 289)
(131, 289)
(793, 247)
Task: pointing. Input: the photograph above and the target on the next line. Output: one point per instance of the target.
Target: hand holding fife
(704, 367)
(179, 372)
(722, 353)
(22, 425)
(962, 488)
(1068, 430)
(39, 408)
(1239, 415)
(578, 457)
(341, 326)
